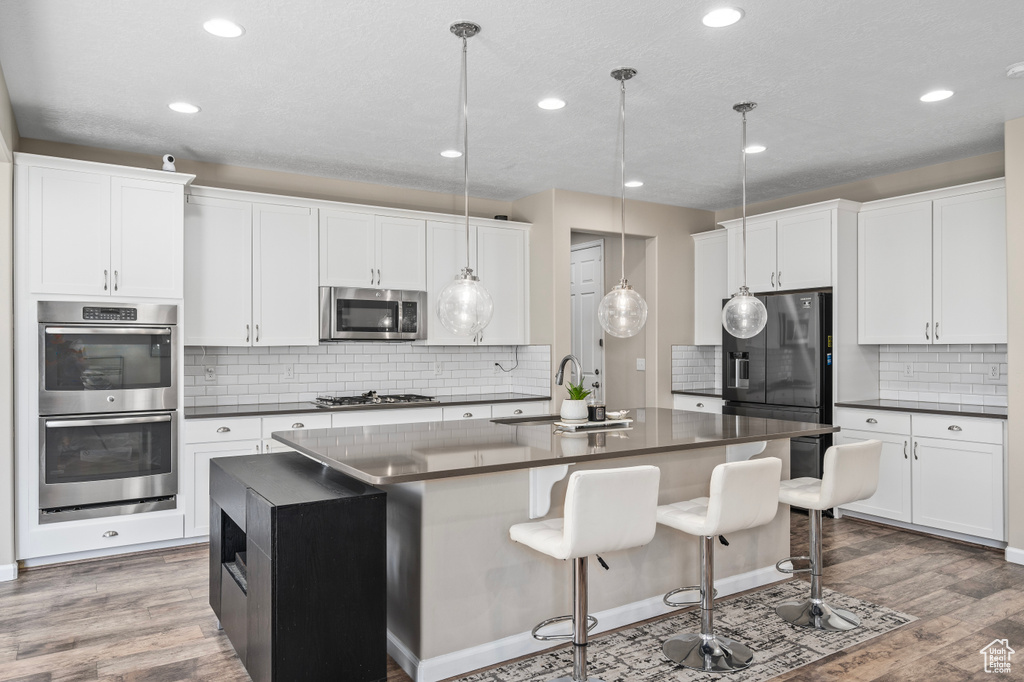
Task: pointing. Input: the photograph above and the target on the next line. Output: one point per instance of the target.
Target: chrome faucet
(576, 365)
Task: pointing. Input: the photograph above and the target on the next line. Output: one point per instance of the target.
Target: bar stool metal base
(710, 653)
(814, 613)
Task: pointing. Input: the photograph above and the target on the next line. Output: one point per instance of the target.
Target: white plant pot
(573, 409)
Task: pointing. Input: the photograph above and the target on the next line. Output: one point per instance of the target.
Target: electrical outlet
(289, 372)
(641, 364)
(438, 368)
(993, 371)
(908, 370)
(210, 372)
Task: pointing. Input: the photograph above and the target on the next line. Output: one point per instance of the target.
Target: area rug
(634, 654)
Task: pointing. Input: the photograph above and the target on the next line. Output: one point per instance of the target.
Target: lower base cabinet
(298, 562)
(892, 499)
(697, 403)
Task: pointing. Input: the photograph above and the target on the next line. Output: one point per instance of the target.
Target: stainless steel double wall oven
(108, 394)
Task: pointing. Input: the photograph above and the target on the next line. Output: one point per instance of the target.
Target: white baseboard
(8, 572)
(1014, 555)
(523, 643)
(99, 553)
(963, 537)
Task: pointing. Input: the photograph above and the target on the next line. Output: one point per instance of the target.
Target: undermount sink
(535, 420)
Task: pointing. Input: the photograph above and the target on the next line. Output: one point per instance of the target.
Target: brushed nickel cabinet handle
(467, 415)
(872, 420)
(371, 275)
(518, 412)
(954, 427)
(915, 449)
(773, 280)
(257, 333)
(110, 534)
(298, 425)
(115, 280)
(936, 331)
(700, 404)
(247, 333)
(223, 429)
(905, 450)
(779, 278)
(105, 275)
(926, 324)
(378, 276)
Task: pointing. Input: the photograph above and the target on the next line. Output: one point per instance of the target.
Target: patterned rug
(634, 655)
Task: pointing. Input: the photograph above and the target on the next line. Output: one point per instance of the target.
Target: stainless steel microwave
(353, 314)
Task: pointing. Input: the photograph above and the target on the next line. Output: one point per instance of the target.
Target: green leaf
(576, 391)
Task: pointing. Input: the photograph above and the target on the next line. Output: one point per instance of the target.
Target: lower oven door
(107, 459)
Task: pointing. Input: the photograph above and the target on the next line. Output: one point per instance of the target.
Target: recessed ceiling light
(634, 183)
(223, 28)
(724, 16)
(755, 148)
(551, 103)
(183, 107)
(451, 153)
(1015, 70)
(936, 95)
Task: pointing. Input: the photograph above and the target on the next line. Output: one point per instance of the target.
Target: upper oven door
(369, 314)
(106, 368)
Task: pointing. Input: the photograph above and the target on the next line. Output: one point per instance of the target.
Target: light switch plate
(641, 364)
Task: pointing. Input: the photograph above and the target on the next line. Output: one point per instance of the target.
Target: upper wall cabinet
(251, 274)
(498, 256)
(372, 251)
(99, 230)
(710, 286)
(932, 267)
(790, 250)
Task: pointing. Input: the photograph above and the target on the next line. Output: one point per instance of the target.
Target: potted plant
(575, 406)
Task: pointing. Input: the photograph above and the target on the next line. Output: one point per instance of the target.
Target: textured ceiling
(369, 90)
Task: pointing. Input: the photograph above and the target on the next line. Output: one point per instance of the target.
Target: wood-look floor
(146, 616)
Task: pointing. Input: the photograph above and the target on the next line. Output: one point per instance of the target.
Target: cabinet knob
(518, 412)
(298, 425)
(700, 404)
(110, 398)
(872, 420)
(223, 429)
(467, 415)
(110, 534)
(954, 427)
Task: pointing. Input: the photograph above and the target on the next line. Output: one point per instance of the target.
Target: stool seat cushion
(689, 516)
(543, 536)
(801, 492)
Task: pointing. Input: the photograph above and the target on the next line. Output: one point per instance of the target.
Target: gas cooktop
(369, 398)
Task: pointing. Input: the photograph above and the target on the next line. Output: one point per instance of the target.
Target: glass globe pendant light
(464, 306)
(623, 311)
(744, 315)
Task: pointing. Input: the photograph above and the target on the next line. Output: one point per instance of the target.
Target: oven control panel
(116, 314)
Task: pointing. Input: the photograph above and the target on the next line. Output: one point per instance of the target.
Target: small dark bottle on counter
(595, 408)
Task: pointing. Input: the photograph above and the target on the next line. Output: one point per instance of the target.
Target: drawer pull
(915, 449)
(700, 404)
(223, 429)
(518, 412)
(905, 450)
(954, 427)
(298, 425)
(467, 415)
(110, 534)
(872, 420)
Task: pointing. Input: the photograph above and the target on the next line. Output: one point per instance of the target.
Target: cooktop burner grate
(370, 398)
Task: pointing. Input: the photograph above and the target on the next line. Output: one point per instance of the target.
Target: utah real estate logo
(997, 656)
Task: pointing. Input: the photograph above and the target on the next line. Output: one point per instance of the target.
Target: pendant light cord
(743, 152)
(622, 175)
(465, 135)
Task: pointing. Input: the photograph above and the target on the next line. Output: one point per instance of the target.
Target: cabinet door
(446, 256)
(969, 271)
(196, 479)
(959, 486)
(761, 256)
(804, 251)
(711, 285)
(69, 232)
(285, 307)
(401, 253)
(894, 274)
(146, 238)
(892, 498)
(347, 249)
(501, 252)
(218, 281)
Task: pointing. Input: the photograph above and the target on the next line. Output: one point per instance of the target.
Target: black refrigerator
(785, 372)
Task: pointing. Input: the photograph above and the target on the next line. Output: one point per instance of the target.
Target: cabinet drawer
(295, 422)
(503, 410)
(402, 415)
(878, 421)
(213, 430)
(958, 428)
(455, 412)
(697, 403)
(112, 531)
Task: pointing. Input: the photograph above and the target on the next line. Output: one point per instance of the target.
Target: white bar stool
(850, 474)
(605, 511)
(743, 495)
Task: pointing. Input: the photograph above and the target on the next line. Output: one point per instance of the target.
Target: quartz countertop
(921, 407)
(402, 453)
(271, 409)
(704, 392)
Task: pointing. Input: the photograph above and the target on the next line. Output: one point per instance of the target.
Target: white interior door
(586, 290)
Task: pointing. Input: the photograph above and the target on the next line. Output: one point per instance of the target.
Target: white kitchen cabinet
(368, 251)
(252, 274)
(290, 422)
(505, 410)
(932, 267)
(101, 230)
(710, 285)
(457, 412)
(392, 415)
(498, 256)
(697, 403)
(892, 499)
(196, 465)
(792, 250)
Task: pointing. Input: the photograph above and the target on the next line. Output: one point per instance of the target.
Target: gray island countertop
(403, 453)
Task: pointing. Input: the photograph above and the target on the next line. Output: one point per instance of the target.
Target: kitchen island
(462, 595)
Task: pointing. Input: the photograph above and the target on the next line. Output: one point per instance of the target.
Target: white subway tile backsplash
(949, 374)
(695, 367)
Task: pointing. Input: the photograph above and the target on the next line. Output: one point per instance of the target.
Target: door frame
(599, 243)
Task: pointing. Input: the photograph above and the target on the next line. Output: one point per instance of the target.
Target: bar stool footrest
(591, 624)
(678, 590)
(791, 559)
